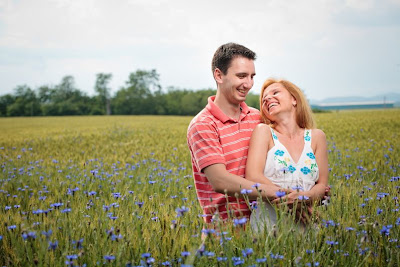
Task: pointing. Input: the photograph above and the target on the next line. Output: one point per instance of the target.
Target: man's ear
(218, 75)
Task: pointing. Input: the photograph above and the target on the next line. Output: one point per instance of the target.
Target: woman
(286, 150)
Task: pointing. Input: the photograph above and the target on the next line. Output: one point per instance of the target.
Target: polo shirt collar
(217, 112)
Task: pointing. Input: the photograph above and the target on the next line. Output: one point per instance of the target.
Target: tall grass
(118, 191)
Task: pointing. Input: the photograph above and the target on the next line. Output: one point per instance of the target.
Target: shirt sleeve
(204, 144)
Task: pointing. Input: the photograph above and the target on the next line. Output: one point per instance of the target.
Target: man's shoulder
(204, 117)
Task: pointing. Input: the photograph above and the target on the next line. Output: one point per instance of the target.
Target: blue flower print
(307, 138)
(305, 170)
(292, 169)
(311, 155)
(274, 136)
(279, 153)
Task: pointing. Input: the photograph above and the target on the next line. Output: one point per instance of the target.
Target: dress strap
(274, 137)
(307, 136)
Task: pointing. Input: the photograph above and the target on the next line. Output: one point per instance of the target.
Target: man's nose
(249, 83)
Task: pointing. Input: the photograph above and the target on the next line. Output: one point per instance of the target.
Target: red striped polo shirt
(213, 138)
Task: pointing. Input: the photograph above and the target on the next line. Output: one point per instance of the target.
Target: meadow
(118, 191)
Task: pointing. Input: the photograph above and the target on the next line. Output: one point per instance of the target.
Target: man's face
(238, 80)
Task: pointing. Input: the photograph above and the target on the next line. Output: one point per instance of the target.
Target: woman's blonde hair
(304, 116)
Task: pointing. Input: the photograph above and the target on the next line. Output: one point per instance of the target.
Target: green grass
(83, 162)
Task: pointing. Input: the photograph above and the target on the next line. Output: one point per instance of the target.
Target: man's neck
(229, 109)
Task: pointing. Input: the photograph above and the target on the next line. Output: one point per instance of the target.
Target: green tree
(137, 97)
(103, 91)
(26, 103)
(6, 101)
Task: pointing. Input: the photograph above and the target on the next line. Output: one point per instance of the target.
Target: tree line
(141, 95)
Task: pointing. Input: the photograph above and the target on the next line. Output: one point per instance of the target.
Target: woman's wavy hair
(304, 116)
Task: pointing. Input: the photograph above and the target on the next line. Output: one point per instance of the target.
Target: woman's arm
(256, 158)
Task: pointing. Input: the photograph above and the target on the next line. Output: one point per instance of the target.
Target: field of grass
(118, 191)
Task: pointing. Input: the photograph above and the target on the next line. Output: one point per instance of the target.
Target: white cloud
(52, 38)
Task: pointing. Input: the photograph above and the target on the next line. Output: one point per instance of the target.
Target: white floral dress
(281, 170)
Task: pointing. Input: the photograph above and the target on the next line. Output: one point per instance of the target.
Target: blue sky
(328, 47)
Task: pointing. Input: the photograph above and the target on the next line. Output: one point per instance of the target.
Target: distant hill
(388, 97)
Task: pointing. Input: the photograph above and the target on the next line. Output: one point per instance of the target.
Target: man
(218, 138)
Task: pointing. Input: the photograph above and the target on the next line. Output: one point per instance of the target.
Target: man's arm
(224, 182)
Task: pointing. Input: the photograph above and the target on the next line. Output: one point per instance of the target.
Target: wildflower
(261, 260)
(386, 230)
(302, 197)
(280, 193)
(246, 191)
(109, 257)
(11, 227)
(139, 203)
(66, 210)
(332, 242)
(52, 245)
(208, 231)
(146, 255)
(276, 256)
(166, 263)
(71, 257)
(181, 211)
(185, 253)
(379, 211)
(297, 187)
(256, 185)
(246, 252)
(240, 221)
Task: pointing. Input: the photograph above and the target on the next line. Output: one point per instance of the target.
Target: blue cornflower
(47, 234)
(71, 257)
(349, 228)
(166, 263)
(256, 185)
(66, 210)
(222, 258)
(240, 221)
(208, 231)
(139, 203)
(332, 242)
(109, 257)
(181, 211)
(52, 245)
(276, 256)
(386, 230)
(7, 207)
(246, 191)
(146, 255)
(185, 253)
(262, 260)
(11, 227)
(246, 252)
(379, 211)
(303, 197)
(280, 193)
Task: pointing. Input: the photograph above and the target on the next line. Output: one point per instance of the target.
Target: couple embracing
(275, 153)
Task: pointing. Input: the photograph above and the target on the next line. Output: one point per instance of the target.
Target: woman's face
(276, 100)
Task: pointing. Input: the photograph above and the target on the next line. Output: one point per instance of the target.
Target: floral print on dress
(311, 155)
(307, 163)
